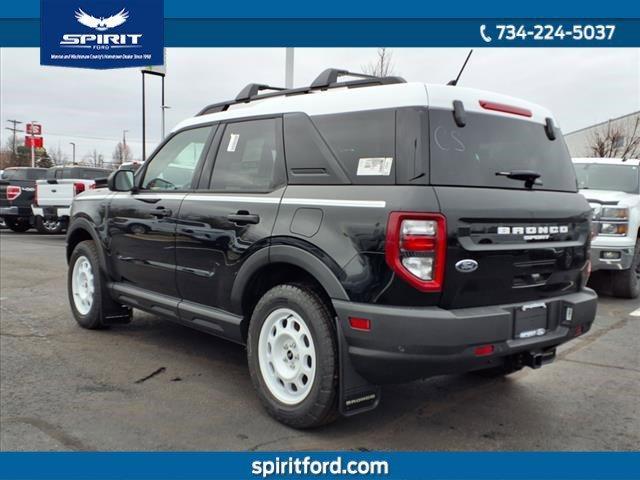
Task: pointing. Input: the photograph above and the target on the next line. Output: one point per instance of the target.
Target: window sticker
(233, 142)
(380, 166)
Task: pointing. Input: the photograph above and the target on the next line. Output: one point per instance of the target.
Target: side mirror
(121, 181)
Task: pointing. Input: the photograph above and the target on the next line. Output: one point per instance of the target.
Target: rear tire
(626, 283)
(91, 305)
(49, 227)
(292, 355)
(18, 225)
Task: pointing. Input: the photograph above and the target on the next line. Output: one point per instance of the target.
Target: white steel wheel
(287, 356)
(82, 285)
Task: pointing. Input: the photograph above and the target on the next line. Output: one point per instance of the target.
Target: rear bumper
(409, 343)
(15, 211)
(623, 262)
(51, 212)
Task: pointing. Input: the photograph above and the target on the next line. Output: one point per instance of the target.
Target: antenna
(453, 83)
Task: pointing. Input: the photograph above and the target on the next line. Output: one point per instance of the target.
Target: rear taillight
(78, 187)
(13, 192)
(415, 248)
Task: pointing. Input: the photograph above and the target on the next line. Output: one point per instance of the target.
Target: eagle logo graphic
(101, 24)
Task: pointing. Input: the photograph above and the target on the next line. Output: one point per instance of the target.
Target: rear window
(471, 155)
(619, 178)
(24, 174)
(86, 173)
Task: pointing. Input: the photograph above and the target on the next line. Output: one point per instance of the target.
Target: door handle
(243, 217)
(147, 199)
(161, 212)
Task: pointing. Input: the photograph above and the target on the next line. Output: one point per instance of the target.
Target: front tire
(89, 298)
(292, 356)
(626, 283)
(18, 225)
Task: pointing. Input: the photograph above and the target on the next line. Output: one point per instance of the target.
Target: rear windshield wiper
(529, 177)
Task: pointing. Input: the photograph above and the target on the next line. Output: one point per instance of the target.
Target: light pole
(288, 68)
(144, 116)
(33, 143)
(164, 108)
(74, 152)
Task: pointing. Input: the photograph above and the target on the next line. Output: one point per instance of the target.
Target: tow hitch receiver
(538, 359)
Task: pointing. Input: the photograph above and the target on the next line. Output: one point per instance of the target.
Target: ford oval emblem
(467, 266)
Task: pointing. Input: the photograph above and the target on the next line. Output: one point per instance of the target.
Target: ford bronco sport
(350, 234)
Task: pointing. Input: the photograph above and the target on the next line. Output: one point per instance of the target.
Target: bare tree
(94, 158)
(57, 156)
(121, 154)
(383, 66)
(616, 140)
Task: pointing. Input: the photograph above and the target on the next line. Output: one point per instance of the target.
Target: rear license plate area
(50, 211)
(530, 321)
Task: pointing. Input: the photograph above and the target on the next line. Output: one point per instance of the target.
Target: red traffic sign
(37, 142)
(34, 129)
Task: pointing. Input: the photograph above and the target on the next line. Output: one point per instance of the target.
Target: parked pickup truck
(17, 191)
(55, 194)
(612, 188)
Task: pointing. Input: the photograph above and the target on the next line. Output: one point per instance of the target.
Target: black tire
(321, 404)
(626, 283)
(48, 227)
(18, 225)
(104, 311)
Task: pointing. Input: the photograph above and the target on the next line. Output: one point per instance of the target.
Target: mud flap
(356, 395)
(117, 316)
(113, 313)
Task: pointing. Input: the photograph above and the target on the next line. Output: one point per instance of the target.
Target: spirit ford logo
(101, 24)
(101, 34)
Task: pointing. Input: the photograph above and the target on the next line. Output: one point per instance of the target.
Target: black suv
(350, 234)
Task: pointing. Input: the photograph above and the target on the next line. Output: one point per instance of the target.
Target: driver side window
(172, 168)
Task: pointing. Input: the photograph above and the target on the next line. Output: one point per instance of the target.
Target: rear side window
(309, 159)
(363, 143)
(249, 157)
(24, 174)
(471, 155)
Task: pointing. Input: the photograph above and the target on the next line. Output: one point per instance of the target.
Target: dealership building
(579, 140)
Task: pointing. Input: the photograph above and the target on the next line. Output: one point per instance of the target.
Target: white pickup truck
(55, 194)
(612, 188)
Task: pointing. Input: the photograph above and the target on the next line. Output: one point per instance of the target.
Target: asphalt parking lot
(153, 385)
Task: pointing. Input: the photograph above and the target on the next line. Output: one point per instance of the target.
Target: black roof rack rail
(326, 80)
(329, 78)
(252, 90)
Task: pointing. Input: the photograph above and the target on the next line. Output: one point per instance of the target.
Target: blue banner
(101, 34)
(283, 465)
(371, 33)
